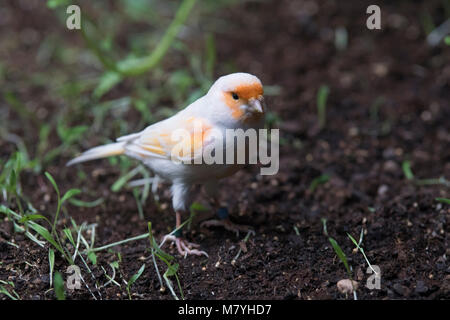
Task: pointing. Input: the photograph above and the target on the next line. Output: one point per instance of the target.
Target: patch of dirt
(389, 102)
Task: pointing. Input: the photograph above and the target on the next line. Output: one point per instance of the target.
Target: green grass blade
(138, 203)
(322, 96)
(133, 279)
(53, 4)
(69, 194)
(324, 224)
(6, 292)
(353, 240)
(172, 270)
(447, 40)
(69, 236)
(86, 204)
(443, 200)
(136, 66)
(31, 217)
(318, 181)
(52, 181)
(341, 255)
(358, 246)
(43, 232)
(406, 167)
(124, 179)
(59, 286)
(107, 81)
(51, 262)
(92, 257)
(136, 275)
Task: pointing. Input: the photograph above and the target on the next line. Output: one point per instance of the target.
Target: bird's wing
(180, 139)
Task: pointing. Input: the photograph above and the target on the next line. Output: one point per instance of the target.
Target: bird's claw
(184, 247)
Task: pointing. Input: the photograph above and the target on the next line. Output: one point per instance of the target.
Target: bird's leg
(184, 247)
(224, 220)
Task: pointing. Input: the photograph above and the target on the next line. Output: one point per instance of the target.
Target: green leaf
(9, 212)
(69, 194)
(340, 254)
(13, 180)
(447, 40)
(50, 178)
(322, 96)
(88, 32)
(124, 179)
(46, 235)
(93, 257)
(318, 181)
(86, 204)
(69, 236)
(44, 132)
(353, 240)
(358, 246)
(31, 217)
(59, 286)
(443, 200)
(138, 203)
(167, 258)
(108, 81)
(406, 166)
(5, 292)
(172, 269)
(324, 224)
(136, 276)
(70, 134)
(197, 207)
(157, 250)
(53, 4)
(136, 66)
(51, 262)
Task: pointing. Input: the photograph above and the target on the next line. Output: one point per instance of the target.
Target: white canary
(234, 101)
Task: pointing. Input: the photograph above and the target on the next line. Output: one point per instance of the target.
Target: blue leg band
(178, 233)
(222, 213)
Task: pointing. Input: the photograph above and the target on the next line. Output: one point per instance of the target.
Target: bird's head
(241, 94)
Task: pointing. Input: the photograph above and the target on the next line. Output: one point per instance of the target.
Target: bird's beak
(256, 106)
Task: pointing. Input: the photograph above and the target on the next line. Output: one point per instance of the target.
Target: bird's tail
(108, 150)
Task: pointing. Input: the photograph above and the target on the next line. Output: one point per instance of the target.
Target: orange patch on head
(234, 105)
(244, 92)
(249, 91)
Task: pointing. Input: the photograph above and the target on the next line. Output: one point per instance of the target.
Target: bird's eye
(235, 96)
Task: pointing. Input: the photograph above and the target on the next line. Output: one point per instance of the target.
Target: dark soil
(389, 102)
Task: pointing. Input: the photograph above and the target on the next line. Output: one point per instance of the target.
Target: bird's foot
(228, 225)
(184, 247)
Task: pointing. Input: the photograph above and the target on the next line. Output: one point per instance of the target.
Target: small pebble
(345, 285)
(383, 189)
(421, 287)
(391, 166)
(400, 289)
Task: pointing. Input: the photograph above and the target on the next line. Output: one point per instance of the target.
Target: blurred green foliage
(132, 63)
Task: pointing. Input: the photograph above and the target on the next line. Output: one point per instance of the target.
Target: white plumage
(217, 110)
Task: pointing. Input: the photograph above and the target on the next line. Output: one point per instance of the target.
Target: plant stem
(141, 65)
(139, 237)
